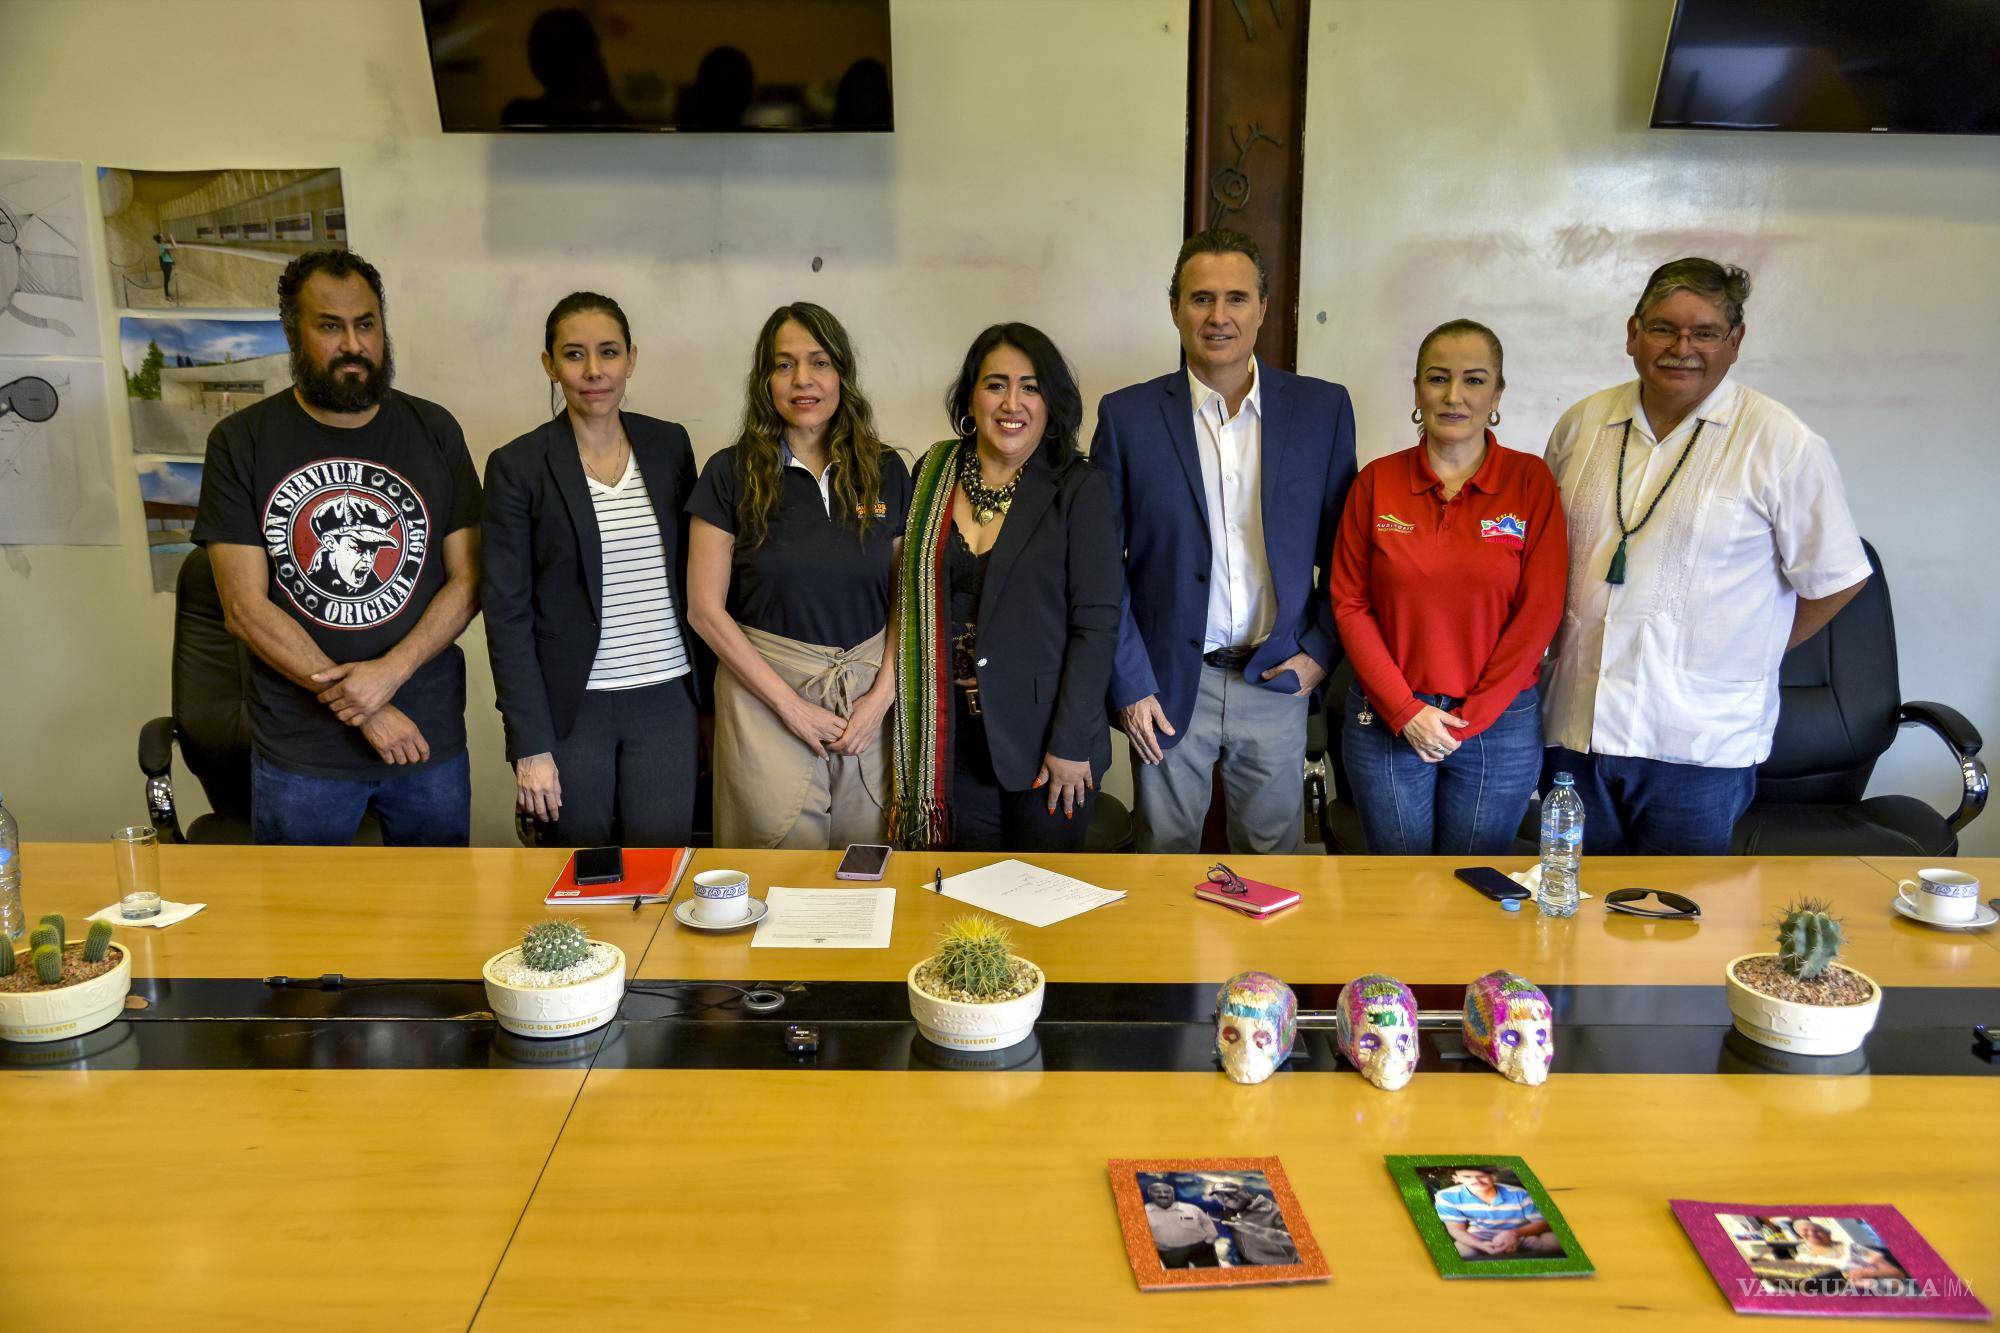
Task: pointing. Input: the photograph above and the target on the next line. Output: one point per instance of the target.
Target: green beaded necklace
(1616, 574)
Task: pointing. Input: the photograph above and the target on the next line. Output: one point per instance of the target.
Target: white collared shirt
(824, 480)
(1241, 605)
(1680, 662)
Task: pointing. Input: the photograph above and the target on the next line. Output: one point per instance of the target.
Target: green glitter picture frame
(1410, 1172)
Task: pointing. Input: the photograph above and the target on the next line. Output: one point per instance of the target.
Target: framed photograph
(1487, 1217)
(1213, 1222)
(1853, 1260)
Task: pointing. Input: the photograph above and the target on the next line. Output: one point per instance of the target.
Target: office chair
(210, 720)
(1840, 708)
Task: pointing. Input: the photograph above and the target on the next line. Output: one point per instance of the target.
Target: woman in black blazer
(584, 587)
(1007, 613)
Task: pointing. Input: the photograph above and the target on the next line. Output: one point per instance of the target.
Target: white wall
(1490, 159)
(1035, 174)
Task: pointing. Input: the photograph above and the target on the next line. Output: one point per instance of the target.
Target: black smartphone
(600, 865)
(1490, 882)
(864, 860)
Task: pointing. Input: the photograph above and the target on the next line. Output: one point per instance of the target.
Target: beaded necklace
(1616, 573)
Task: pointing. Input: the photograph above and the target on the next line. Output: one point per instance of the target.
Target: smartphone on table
(600, 865)
(1491, 883)
(864, 860)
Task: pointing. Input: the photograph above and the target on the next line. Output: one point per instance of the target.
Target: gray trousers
(1260, 737)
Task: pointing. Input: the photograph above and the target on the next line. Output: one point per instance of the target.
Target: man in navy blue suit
(1229, 478)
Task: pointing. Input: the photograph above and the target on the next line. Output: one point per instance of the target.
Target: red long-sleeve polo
(1458, 596)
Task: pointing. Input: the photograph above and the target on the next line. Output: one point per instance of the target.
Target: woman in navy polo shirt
(796, 528)
(1448, 577)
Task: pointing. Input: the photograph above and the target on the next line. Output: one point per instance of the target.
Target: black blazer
(1048, 623)
(543, 587)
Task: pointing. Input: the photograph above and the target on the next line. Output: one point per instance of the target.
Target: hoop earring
(966, 428)
(555, 401)
(1416, 416)
(1494, 420)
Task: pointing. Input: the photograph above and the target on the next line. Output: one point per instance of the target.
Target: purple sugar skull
(1256, 1017)
(1375, 1026)
(1509, 1025)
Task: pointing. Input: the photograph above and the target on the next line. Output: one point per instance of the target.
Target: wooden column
(1246, 141)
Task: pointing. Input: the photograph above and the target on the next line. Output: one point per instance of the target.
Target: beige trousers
(771, 790)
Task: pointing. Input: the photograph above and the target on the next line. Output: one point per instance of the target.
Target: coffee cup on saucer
(721, 897)
(1948, 897)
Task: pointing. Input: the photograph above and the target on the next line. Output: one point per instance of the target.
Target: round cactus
(6, 956)
(41, 935)
(55, 920)
(975, 955)
(48, 964)
(98, 942)
(552, 946)
(1808, 940)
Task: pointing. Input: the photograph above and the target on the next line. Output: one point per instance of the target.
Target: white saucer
(1985, 917)
(684, 913)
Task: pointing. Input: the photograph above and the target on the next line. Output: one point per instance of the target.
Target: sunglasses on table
(1226, 879)
(1673, 906)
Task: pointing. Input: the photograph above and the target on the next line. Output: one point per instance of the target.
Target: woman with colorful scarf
(1006, 615)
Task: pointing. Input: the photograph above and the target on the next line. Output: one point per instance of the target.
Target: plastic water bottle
(1562, 848)
(13, 916)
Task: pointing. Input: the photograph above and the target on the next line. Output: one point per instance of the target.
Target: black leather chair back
(211, 681)
(1839, 697)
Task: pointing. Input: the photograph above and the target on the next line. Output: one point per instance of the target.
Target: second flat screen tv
(648, 65)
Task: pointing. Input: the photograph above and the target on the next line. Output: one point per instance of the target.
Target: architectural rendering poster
(55, 454)
(47, 307)
(213, 239)
(184, 375)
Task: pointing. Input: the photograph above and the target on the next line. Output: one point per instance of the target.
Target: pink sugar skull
(1256, 1017)
(1375, 1026)
(1509, 1025)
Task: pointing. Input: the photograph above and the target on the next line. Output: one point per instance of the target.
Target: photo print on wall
(213, 239)
(184, 375)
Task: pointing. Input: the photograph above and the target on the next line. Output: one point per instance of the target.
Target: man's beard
(330, 391)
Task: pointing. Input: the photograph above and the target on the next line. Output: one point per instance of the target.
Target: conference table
(373, 1153)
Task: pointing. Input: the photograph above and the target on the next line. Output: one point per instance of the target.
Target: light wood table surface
(1407, 916)
(335, 1199)
(973, 1201)
(304, 911)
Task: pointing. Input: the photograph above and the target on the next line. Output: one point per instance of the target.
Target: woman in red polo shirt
(1448, 576)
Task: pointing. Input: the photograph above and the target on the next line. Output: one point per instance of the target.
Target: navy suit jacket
(1145, 444)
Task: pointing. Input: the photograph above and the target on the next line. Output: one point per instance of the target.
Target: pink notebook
(1260, 900)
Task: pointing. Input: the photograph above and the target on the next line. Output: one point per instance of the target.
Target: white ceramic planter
(555, 1011)
(957, 1026)
(53, 1014)
(1803, 1029)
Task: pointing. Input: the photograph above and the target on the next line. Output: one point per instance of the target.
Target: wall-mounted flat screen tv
(700, 65)
(1864, 66)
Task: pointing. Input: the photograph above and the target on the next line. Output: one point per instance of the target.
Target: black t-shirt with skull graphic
(354, 523)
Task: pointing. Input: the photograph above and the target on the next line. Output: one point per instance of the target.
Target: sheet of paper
(1025, 893)
(826, 919)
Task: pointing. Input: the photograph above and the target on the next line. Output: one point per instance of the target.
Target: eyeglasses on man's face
(1666, 335)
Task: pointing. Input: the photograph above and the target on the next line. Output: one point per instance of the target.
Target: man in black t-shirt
(342, 520)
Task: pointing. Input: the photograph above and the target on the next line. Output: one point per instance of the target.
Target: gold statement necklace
(987, 503)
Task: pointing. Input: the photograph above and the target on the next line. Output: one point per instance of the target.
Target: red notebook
(1261, 900)
(650, 876)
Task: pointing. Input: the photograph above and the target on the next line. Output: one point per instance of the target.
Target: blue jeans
(1469, 803)
(1649, 807)
(431, 807)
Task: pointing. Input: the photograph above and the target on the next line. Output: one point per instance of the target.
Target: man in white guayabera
(1708, 533)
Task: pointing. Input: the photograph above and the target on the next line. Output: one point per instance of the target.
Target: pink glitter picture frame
(1778, 1283)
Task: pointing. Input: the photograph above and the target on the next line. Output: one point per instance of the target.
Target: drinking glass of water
(135, 852)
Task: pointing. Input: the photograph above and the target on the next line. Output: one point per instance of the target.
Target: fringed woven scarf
(920, 795)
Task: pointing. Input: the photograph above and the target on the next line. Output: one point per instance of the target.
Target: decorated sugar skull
(1375, 1025)
(1256, 1017)
(1509, 1025)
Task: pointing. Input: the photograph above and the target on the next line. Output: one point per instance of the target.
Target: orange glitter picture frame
(1210, 1172)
